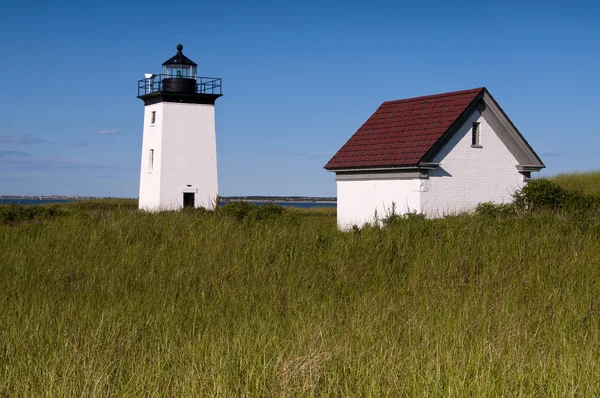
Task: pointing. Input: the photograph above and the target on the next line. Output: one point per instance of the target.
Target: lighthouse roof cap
(179, 58)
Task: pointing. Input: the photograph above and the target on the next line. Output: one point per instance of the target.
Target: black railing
(203, 85)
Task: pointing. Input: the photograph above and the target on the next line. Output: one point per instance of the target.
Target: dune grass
(103, 300)
(588, 182)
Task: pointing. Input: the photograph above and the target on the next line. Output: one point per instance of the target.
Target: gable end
(503, 127)
(510, 135)
(476, 104)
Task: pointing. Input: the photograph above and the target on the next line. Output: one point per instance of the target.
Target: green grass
(100, 299)
(588, 183)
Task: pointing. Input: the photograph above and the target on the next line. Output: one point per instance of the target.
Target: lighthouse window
(151, 160)
(153, 119)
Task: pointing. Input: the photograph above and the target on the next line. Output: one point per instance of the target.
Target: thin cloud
(22, 139)
(107, 132)
(548, 153)
(13, 154)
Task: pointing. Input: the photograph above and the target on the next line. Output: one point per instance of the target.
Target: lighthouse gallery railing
(204, 85)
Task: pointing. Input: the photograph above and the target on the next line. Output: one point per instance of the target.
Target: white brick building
(435, 155)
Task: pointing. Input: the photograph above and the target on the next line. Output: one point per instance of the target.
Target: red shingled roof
(401, 132)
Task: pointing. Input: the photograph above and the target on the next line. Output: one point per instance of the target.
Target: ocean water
(286, 204)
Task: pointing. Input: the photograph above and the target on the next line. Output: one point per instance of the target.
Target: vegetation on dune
(99, 299)
(547, 195)
(587, 183)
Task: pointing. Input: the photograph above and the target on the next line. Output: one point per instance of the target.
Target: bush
(246, 210)
(545, 194)
(15, 214)
(266, 212)
(238, 210)
(490, 209)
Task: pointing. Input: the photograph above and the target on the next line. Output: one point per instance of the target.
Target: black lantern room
(180, 65)
(179, 82)
(179, 73)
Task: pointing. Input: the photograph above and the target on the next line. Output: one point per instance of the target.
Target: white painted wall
(468, 176)
(152, 139)
(358, 200)
(185, 154)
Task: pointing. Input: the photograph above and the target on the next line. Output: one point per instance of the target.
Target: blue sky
(299, 78)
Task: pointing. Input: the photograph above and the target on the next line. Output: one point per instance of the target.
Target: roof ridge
(402, 132)
(431, 96)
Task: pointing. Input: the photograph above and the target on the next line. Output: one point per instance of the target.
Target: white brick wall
(185, 153)
(189, 154)
(468, 176)
(359, 200)
(152, 139)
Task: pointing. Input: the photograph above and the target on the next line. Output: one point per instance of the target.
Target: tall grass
(588, 182)
(103, 300)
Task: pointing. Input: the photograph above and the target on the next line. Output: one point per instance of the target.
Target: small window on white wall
(476, 135)
(151, 160)
(153, 117)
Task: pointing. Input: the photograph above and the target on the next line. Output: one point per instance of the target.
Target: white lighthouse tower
(179, 151)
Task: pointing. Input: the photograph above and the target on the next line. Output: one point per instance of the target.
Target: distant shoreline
(11, 197)
(278, 201)
(226, 199)
(43, 199)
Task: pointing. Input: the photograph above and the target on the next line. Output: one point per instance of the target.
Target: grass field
(99, 299)
(588, 182)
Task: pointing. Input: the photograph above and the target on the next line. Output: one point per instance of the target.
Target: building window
(476, 135)
(153, 118)
(151, 160)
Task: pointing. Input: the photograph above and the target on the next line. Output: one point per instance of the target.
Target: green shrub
(545, 194)
(490, 209)
(266, 212)
(238, 210)
(246, 210)
(15, 214)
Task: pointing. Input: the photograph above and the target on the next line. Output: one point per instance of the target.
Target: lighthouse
(179, 151)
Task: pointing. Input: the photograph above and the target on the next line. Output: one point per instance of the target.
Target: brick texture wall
(468, 176)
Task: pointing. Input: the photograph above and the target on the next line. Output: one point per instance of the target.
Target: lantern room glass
(179, 71)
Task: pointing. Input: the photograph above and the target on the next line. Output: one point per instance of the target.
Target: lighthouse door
(189, 199)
